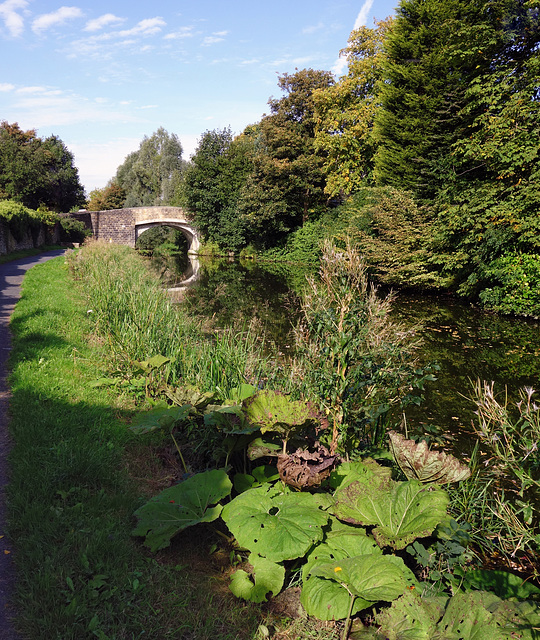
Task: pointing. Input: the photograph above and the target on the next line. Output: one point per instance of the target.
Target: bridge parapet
(124, 226)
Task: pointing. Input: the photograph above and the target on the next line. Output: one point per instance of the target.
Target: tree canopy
(37, 172)
(151, 175)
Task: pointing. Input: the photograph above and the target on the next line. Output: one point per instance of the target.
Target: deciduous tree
(150, 175)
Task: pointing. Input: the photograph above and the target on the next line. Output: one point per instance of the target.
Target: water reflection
(467, 343)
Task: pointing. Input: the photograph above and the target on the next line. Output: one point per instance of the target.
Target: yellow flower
(337, 569)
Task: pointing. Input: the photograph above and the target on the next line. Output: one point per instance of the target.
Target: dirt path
(11, 276)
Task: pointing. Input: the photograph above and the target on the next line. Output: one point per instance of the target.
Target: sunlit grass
(80, 573)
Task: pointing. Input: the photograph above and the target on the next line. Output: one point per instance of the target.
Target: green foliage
(275, 523)
(72, 230)
(268, 578)
(110, 197)
(345, 112)
(470, 616)
(150, 175)
(516, 288)
(351, 356)
(401, 511)
(274, 412)
(37, 172)
(181, 506)
(286, 185)
(21, 219)
(212, 185)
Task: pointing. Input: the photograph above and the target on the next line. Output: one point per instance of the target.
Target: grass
(80, 573)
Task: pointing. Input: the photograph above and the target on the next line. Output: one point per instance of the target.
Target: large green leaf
(182, 506)
(328, 599)
(466, 616)
(419, 463)
(277, 525)
(267, 578)
(272, 411)
(410, 618)
(371, 577)
(161, 417)
(402, 512)
(368, 472)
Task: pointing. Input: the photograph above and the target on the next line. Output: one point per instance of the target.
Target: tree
(150, 175)
(110, 197)
(435, 49)
(37, 172)
(212, 185)
(286, 186)
(345, 112)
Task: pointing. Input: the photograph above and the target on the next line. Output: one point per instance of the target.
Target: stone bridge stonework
(124, 226)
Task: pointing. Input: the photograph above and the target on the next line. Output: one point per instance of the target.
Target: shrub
(517, 288)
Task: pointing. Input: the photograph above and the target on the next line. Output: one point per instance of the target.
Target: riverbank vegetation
(214, 452)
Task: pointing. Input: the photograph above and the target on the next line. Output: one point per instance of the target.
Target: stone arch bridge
(124, 226)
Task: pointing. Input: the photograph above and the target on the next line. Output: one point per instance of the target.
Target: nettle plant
(348, 531)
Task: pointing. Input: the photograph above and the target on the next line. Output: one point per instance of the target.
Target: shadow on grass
(80, 572)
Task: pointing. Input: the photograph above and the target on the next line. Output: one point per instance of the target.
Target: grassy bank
(80, 573)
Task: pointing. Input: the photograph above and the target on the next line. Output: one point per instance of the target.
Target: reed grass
(138, 321)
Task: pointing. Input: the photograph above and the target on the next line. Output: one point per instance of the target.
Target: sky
(103, 74)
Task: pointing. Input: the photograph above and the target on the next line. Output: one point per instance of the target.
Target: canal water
(466, 343)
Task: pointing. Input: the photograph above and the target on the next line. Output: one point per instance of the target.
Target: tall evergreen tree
(435, 50)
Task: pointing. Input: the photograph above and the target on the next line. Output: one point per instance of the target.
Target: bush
(517, 288)
(22, 219)
(72, 230)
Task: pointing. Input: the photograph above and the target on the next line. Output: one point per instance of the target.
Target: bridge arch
(124, 226)
(188, 231)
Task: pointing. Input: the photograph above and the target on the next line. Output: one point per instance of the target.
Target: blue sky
(103, 74)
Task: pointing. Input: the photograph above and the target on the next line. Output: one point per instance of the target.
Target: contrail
(361, 20)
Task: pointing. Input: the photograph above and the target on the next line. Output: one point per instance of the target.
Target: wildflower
(337, 569)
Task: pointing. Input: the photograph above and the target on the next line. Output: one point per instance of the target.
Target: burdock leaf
(419, 463)
(277, 525)
(160, 418)
(271, 411)
(402, 512)
(267, 578)
(182, 506)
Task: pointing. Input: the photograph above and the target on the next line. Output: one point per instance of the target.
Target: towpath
(11, 276)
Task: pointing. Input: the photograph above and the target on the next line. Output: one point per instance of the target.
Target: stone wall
(116, 226)
(119, 225)
(32, 238)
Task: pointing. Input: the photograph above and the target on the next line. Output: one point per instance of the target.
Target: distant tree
(37, 172)
(212, 186)
(286, 186)
(150, 175)
(345, 112)
(110, 197)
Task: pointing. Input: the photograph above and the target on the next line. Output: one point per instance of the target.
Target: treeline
(426, 152)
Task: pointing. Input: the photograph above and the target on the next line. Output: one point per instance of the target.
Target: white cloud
(148, 27)
(103, 21)
(313, 28)
(361, 20)
(58, 17)
(184, 32)
(97, 162)
(6, 87)
(12, 20)
(211, 40)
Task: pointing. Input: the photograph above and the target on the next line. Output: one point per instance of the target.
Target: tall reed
(138, 320)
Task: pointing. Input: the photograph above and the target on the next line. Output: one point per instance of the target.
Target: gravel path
(11, 276)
